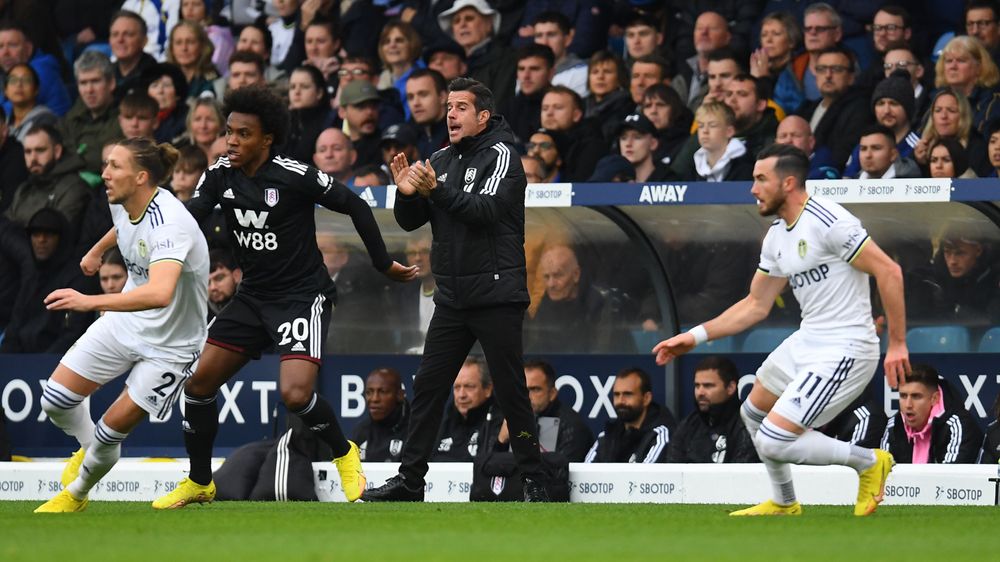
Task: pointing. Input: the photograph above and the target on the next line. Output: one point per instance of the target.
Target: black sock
(319, 417)
(201, 423)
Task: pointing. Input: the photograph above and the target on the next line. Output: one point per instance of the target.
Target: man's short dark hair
(558, 18)
(191, 159)
(560, 89)
(248, 57)
(605, 55)
(924, 374)
(791, 162)
(723, 365)
(380, 175)
(639, 18)
(544, 367)
(981, 5)
(55, 137)
(260, 101)
(483, 95)
(645, 383)
(666, 67)
(897, 11)
(759, 88)
(543, 52)
(439, 82)
(11, 25)
(138, 100)
(268, 38)
(877, 129)
(219, 258)
(143, 28)
(840, 50)
(727, 53)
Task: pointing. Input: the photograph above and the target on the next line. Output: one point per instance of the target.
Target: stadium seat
(990, 343)
(938, 339)
(764, 340)
(645, 340)
(724, 345)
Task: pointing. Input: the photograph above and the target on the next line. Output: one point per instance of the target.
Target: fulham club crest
(470, 175)
(395, 447)
(271, 196)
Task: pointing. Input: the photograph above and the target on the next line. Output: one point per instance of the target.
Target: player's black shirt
(272, 226)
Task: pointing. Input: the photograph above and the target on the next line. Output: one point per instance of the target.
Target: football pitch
(110, 531)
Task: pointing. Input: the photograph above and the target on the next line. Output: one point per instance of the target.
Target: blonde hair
(194, 104)
(203, 65)
(157, 159)
(414, 44)
(989, 74)
(964, 117)
(716, 109)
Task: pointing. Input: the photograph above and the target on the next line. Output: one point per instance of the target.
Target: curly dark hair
(262, 102)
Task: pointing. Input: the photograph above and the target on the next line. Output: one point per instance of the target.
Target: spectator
(794, 130)
(221, 36)
(823, 29)
(932, 425)
(542, 145)
(191, 51)
(127, 39)
(780, 39)
(112, 274)
(862, 423)
(310, 112)
(555, 30)
(246, 68)
(166, 84)
(426, 97)
(949, 159)
(465, 416)
(137, 115)
(534, 169)
(358, 323)
(879, 158)
(967, 67)
(359, 68)
(448, 58)
(381, 433)
(335, 155)
(322, 44)
(93, 120)
(17, 269)
(573, 437)
(613, 168)
(889, 27)
(904, 58)
(33, 328)
(205, 123)
(641, 432)
(53, 180)
(754, 120)
(960, 284)
(370, 175)
(359, 109)
(588, 19)
(400, 138)
(722, 157)
(993, 146)
(570, 312)
(287, 36)
(711, 32)
(638, 143)
(160, 18)
(535, 68)
(224, 279)
(643, 36)
(12, 166)
(191, 164)
(990, 453)
(608, 102)
(951, 117)
(21, 90)
(663, 107)
(714, 432)
(562, 111)
(893, 106)
(415, 300)
(723, 65)
(473, 24)
(17, 48)
(256, 38)
(982, 21)
(399, 48)
(838, 117)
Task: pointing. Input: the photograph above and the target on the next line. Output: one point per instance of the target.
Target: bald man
(794, 130)
(335, 154)
(569, 315)
(381, 432)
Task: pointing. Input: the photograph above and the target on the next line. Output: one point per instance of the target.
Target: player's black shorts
(294, 328)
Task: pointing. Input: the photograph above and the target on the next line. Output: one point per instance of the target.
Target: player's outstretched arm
(400, 272)
(157, 293)
(889, 279)
(91, 262)
(750, 310)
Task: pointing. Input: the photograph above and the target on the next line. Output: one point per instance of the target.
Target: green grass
(110, 531)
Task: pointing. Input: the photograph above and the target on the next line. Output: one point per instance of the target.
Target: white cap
(481, 6)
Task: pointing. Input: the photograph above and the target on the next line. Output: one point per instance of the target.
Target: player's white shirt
(165, 231)
(815, 253)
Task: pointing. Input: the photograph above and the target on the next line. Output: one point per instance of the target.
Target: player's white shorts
(817, 382)
(154, 383)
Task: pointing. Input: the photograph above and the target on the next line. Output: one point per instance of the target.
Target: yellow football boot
(871, 483)
(72, 468)
(187, 491)
(769, 508)
(352, 477)
(64, 502)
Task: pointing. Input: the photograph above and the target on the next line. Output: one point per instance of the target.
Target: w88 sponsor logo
(257, 240)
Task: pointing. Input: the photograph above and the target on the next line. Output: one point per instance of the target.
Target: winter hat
(896, 87)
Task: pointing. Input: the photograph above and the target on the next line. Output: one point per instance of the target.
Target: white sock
(68, 412)
(782, 487)
(812, 448)
(752, 418)
(102, 454)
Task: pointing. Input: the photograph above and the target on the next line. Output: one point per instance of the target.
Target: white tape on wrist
(699, 333)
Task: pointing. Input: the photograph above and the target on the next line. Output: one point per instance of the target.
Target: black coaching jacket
(955, 435)
(477, 217)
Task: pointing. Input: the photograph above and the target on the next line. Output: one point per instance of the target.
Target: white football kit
(821, 368)
(162, 345)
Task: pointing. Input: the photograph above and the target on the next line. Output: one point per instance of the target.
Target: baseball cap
(401, 134)
(637, 122)
(358, 91)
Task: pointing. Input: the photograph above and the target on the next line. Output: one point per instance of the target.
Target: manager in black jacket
(472, 193)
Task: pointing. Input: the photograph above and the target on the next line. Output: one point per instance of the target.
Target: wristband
(699, 333)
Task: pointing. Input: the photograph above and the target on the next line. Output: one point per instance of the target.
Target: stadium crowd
(594, 90)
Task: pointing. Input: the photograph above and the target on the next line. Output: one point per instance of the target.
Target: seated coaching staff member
(472, 193)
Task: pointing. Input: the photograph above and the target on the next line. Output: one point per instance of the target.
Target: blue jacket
(52, 91)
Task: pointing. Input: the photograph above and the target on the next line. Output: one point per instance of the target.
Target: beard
(628, 414)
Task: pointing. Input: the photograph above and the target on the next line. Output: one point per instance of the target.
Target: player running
(155, 327)
(827, 256)
(286, 296)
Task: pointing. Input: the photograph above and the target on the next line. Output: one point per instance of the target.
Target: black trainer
(534, 491)
(394, 490)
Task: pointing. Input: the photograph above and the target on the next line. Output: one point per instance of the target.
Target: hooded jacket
(717, 435)
(648, 444)
(60, 188)
(459, 437)
(955, 435)
(382, 441)
(969, 299)
(477, 217)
